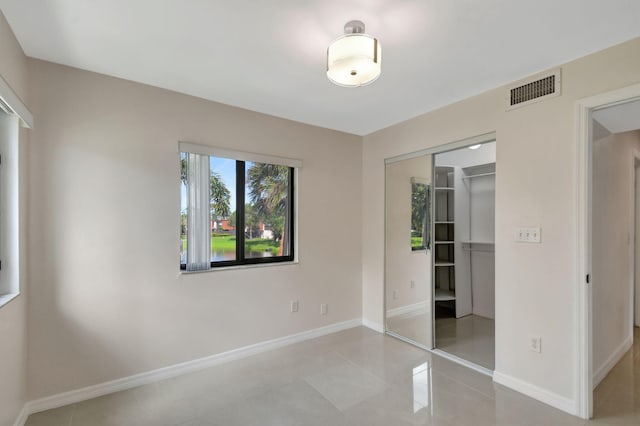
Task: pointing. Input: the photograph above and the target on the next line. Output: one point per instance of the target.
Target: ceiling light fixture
(474, 146)
(354, 59)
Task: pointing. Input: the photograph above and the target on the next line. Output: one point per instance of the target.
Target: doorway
(607, 150)
(463, 255)
(636, 245)
(615, 149)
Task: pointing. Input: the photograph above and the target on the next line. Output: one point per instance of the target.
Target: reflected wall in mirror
(408, 271)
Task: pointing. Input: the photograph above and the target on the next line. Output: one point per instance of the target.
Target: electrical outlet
(294, 306)
(323, 309)
(535, 344)
(413, 284)
(396, 294)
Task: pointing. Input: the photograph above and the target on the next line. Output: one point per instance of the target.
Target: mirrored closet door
(408, 245)
(439, 250)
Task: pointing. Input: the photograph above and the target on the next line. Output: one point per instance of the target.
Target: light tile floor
(416, 327)
(355, 377)
(471, 338)
(616, 399)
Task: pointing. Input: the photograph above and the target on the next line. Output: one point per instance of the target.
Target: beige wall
(612, 264)
(108, 299)
(13, 321)
(535, 186)
(13, 66)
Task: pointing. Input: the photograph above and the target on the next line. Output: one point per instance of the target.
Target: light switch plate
(534, 235)
(528, 235)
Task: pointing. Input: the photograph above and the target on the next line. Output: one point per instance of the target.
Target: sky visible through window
(226, 168)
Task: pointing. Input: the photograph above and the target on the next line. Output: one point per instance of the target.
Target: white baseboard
(601, 372)
(22, 417)
(484, 314)
(409, 310)
(83, 394)
(373, 325)
(543, 395)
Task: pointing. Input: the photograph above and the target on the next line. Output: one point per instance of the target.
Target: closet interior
(463, 253)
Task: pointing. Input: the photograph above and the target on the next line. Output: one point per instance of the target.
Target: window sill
(6, 298)
(236, 267)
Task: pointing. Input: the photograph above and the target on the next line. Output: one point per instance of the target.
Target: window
(236, 208)
(420, 214)
(9, 202)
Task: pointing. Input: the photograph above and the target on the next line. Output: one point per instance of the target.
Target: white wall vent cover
(534, 90)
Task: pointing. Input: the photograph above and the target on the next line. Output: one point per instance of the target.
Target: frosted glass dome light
(354, 59)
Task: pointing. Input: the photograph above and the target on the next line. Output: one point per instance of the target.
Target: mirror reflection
(439, 250)
(420, 214)
(408, 249)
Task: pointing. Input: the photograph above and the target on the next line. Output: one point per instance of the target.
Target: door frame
(583, 373)
(635, 241)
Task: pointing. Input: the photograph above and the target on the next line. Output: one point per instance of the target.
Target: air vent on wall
(534, 90)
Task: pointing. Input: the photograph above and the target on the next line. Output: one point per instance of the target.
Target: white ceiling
(619, 118)
(269, 56)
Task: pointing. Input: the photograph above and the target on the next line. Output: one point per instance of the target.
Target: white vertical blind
(9, 211)
(198, 227)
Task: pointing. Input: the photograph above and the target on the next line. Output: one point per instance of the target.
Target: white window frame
(14, 113)
(230, 154)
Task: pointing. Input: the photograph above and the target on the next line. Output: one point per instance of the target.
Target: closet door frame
(463, 143)
(451, 146)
